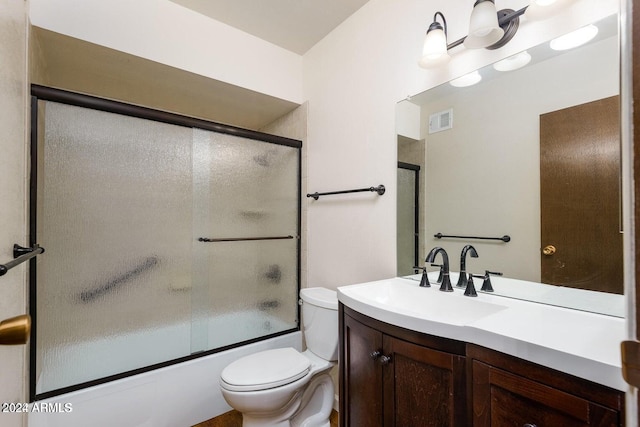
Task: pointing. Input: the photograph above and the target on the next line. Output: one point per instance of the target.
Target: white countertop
(580, 343)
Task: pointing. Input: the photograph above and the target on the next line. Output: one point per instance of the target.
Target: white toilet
(283, 387)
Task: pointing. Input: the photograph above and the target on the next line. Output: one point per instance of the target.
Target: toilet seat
(264, 370)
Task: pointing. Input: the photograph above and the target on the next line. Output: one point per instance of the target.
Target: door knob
(15, 330)
(549, 250)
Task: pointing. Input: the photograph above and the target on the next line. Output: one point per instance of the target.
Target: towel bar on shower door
(241, 239)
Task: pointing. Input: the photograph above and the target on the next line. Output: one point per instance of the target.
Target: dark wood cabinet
(390, 376)
(508, 391)
(362, 376)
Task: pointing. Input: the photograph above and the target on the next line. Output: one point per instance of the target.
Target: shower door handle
(15, 330)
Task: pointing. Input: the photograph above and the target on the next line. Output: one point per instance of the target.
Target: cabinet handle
(385, 360)
(375, 354)
(529, 425)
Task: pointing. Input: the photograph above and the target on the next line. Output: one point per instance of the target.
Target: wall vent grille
(440, 121)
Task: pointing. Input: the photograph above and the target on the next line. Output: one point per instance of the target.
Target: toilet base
(312, 409)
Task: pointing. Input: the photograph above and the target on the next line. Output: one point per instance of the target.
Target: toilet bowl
(283, 387)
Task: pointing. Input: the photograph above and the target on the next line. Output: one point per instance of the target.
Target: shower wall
(148, 225)
(294, 125)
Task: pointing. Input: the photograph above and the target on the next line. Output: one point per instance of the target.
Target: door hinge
(631, 362)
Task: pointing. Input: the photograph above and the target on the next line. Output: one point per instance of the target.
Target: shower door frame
(44, 93)
(416, 210)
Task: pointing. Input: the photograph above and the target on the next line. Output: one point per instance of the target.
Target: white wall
(13, 116)
(352, 80)
(162, 31)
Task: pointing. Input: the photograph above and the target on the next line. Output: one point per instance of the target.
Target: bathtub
(179, 395)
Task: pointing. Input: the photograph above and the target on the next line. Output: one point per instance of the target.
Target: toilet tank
(320, 321)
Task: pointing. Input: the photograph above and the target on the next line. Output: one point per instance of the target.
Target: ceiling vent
(441, 121)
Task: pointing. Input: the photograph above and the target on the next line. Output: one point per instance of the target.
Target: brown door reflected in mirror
(580, 196)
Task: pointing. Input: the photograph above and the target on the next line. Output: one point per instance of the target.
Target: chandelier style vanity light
(488, 28)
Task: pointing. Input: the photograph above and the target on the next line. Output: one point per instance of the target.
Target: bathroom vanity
(414, 356)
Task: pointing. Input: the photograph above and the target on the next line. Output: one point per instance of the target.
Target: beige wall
(13, 213)
(167, 33)
(294, 125)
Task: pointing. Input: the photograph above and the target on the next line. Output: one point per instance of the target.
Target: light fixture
(513, 62)
(575, 38)
(467, 80)
(543, 9)
(435, 51)
(488, 28)
(484, 29)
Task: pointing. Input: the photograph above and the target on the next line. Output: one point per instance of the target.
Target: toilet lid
(264, 370)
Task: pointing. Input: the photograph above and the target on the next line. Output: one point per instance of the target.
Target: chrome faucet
(462, 278)
(431, 257)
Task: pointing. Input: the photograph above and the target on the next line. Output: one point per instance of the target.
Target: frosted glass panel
(123, 206)
(251, 290)
(243, 189)
(115, 219)
(251, 185)
(406, 221)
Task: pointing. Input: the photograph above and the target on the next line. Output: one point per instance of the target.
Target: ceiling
(295, 25)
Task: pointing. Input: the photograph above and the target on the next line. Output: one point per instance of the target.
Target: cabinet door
(423, 387)
(361, 375)
(501, 398)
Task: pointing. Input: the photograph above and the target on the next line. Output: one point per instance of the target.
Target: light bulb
(513, 62)
(466, 80)
(434, 51)
(543, 9)
(575, 38)
(483, 26)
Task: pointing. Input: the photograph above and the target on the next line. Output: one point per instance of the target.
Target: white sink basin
(402, 302)
(579, 343)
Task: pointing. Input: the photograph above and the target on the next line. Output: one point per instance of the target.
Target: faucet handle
(470, 290)
(486, 284)
(424, 280)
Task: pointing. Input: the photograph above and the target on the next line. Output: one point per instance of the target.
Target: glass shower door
(114, 214)
(245, 255)
(407, 219)
(164, 241)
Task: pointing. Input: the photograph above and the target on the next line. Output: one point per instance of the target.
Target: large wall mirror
(532, 153)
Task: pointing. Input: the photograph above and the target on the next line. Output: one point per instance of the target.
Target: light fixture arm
(444, 22)
(503, 20)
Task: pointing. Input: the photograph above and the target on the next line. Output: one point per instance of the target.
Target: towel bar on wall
(241, 239)
(379, 189)
(21, 254)
(504, 238)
